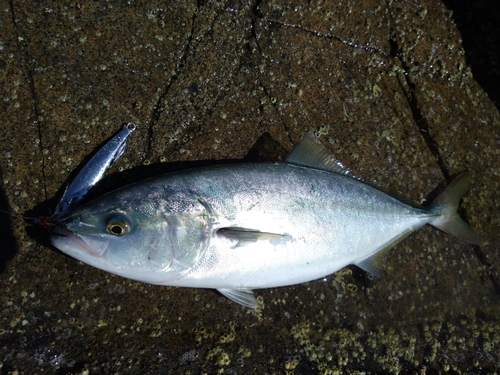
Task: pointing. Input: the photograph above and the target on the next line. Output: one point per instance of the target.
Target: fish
(93, 171)
(237, 228)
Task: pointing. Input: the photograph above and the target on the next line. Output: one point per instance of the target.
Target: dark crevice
(273, 103)
(31, 85)
(422, 124)
(9, 244)
(331, 37)
(423, 128)
(490, 269)
(257, 14)
(409, 88)
(158, 107)
(268, 94)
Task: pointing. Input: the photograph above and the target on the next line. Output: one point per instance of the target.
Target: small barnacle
(244, 352)
(376, 90)
(321, 130)
(227, 337)
(352, 288)
(220, 356)
(422, 13)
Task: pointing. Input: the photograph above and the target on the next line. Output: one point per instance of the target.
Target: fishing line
(43, 221)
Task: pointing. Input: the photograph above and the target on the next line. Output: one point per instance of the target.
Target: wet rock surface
(385, 85)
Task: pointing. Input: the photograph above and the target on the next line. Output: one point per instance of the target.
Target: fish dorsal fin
(244, 297)
(309, 152)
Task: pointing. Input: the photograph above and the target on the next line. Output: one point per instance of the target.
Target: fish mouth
(70, 242)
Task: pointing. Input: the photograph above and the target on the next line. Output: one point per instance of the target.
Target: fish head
(151, 239)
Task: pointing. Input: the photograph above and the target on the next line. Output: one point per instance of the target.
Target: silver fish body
(247, 226)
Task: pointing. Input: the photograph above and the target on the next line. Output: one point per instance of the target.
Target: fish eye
(117, 226)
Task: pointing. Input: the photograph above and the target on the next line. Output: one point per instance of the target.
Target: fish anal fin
(244, 297)
(373, 263)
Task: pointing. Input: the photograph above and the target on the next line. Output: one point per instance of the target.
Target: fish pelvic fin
(244, 297)
(445, 207)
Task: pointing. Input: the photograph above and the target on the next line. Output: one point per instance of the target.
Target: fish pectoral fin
(243, 297)
(373, 264)
(247, 235)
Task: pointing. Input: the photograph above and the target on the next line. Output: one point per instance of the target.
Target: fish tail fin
(445, 207)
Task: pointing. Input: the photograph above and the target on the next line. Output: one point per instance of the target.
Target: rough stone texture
(386, 86)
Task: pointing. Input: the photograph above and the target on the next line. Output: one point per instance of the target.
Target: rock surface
(384, 84)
